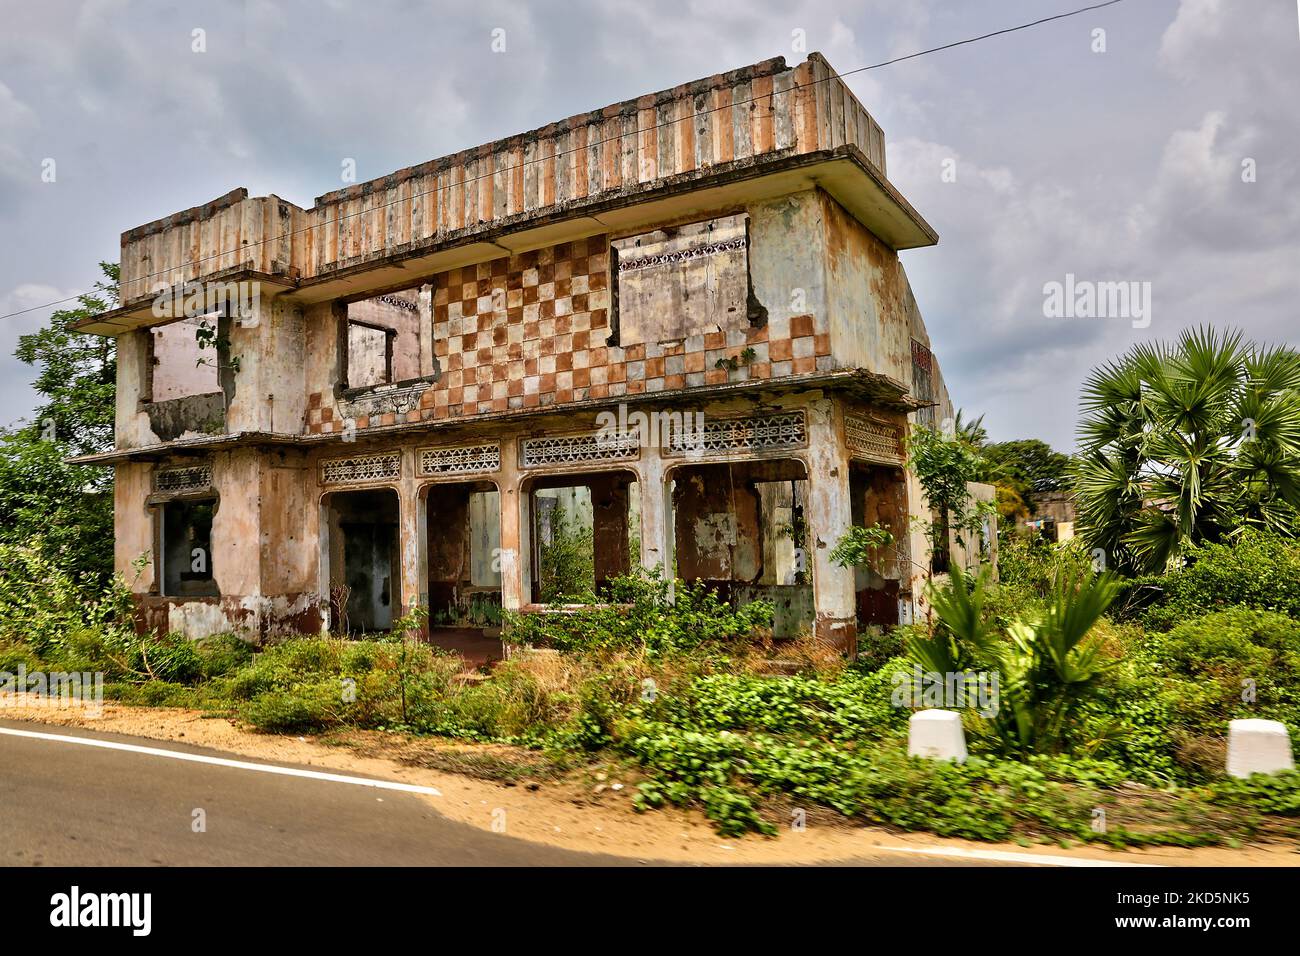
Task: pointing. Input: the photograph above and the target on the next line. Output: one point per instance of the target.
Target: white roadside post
(1258, 746)
(936, 734)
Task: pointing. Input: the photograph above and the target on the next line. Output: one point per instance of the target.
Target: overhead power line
(600, 142)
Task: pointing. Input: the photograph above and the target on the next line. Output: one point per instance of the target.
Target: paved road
(64, 804)
(71, 805)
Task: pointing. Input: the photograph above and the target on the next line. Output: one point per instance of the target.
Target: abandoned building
(673, 332)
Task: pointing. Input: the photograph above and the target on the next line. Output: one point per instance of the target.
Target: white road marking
(1004, 856)
(224, 762)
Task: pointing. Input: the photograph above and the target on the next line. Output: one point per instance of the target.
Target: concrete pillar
(1258, 746)
(656, 522)
(936, 734)
(514, 534)
(830, 514)
(409, 541)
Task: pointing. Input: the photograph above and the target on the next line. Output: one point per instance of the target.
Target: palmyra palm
(1185, 443)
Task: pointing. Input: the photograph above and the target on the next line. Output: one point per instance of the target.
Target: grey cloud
(1117, 165)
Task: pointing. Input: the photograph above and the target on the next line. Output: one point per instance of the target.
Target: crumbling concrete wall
(683, 280)
(747, 117)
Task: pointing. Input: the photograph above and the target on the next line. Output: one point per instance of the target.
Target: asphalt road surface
(71, 805)
(65, 804)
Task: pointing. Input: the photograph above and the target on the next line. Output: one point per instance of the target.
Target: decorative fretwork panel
(923, 383)
(759, 433)
(191, 478)
(361, 468)
(461, 460)
(873, 438)
(578, 449)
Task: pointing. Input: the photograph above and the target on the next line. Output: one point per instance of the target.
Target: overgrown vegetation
(683, 694)
(1112, 694)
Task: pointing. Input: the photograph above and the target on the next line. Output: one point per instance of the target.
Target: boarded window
(682, 280)
(370, 355)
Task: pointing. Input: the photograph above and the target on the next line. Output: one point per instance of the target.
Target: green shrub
(878, 645)
(1256, 570)
(1048, 663)
(1263, 793)
(304, 708)
(13, 656)
(857, 705)
(1214, 665)
(1030, 565)
(567, 562)
(41, 603)
(223, 654)
(637, 613)
(729, 774)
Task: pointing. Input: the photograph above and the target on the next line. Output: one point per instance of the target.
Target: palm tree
(1186, 443)
(972, 432)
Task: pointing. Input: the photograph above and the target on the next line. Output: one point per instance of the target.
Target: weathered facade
(676, 327)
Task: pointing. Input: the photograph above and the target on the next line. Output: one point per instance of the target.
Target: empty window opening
(186, 534)
(878, 496)
(186, 364)
(682, 280)
(389, 339)
(463, 551)
(364, 568)
(741, 529)
(586, 531)
(184, 360)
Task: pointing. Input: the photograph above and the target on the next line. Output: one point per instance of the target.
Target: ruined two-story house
(672, 332)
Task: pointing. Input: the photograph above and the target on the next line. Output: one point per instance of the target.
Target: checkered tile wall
(532, 330)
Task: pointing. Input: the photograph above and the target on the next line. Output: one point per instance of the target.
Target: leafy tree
(1188, 442)
(944, 466)
(65, 511)
(1030, 462)
(49, 504)
(77, 372)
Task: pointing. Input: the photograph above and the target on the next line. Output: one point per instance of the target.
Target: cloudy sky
(1122, 165)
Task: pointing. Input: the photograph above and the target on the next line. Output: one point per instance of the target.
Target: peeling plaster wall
(267, 530)
(536, 329)
(236, 523)
(756, 114)
(788, 271)
(133, 535)
(131, 424)
(870, 309)
(289, 525)
(269, 390)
